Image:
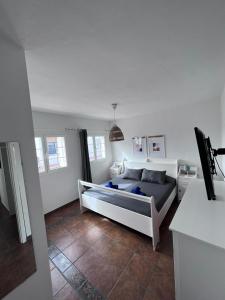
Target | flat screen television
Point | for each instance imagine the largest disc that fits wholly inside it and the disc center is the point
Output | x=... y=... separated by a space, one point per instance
x=207 y=162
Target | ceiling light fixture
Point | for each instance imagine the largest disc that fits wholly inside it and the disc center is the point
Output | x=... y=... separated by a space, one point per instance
x=115 y=134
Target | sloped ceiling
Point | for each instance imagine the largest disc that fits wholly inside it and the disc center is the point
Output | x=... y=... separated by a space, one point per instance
x=83 y=55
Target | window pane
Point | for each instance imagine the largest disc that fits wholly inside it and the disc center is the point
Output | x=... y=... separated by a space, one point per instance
x=91 y=151
x=40 y=154
x=56 y=152
x=100 y=147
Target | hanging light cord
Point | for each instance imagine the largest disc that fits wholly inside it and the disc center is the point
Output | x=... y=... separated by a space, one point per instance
x=219 y=167
x=114 y=105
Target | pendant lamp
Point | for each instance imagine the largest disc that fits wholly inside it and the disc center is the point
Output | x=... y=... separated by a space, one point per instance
x=115 y=133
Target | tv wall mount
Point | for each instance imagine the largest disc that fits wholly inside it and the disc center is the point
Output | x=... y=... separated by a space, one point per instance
x=215 y=152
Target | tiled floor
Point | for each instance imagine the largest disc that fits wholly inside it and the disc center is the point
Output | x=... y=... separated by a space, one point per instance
x=92 y=257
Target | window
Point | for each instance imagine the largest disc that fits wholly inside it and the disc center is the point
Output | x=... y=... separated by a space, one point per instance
x=100 y=147
x=56 y=152
x=96 y=147
x=91 y=150
x=55 y=149
x=40 y=154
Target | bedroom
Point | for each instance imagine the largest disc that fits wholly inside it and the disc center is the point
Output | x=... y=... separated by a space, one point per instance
x=63 y=65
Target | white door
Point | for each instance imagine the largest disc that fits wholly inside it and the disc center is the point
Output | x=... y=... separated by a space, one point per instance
x=16 y=170
x=3 y=193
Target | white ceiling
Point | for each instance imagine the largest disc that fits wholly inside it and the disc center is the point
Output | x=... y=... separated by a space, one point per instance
x=83 y=55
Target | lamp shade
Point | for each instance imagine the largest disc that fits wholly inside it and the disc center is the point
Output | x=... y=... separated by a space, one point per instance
x=116 y=134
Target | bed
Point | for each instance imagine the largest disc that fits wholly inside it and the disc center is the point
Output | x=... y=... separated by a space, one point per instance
x=142 y=213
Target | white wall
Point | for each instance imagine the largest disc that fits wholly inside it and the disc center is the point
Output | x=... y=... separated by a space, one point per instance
x=60 y=187
x=16 y=125
x=178 y=127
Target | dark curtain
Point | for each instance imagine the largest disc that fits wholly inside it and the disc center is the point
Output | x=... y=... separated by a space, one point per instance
x=86 y=167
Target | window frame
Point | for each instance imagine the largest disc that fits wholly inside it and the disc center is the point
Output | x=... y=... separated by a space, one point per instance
x=94 y=144
x=43 y=152
x=46 y=156
x=93 y=139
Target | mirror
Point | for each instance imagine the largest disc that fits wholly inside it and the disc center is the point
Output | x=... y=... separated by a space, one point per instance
x=17 y=261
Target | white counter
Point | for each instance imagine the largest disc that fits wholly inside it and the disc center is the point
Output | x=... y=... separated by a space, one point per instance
x=200 y=218
x=199 y=244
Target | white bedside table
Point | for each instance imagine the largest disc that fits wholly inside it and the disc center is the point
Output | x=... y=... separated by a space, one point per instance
x=182 y=182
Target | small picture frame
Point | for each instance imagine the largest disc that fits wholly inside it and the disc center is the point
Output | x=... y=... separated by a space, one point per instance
x=156 y=146
x=139 y=146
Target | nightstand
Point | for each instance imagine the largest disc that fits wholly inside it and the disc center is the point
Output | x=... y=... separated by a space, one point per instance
x=183 y=182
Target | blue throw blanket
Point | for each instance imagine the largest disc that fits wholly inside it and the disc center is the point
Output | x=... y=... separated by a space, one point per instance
x=137 y=190
x=111 y=185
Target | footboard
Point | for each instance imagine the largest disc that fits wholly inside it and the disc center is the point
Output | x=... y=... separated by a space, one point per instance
x=144 y=224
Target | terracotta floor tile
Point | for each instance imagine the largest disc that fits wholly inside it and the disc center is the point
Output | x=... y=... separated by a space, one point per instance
x=56 y=232
x=105 y=225
x=53 y=219
x=140 y=269
x=114 y=251
x=145 y=249
x=98 y=271
x=130 y=240
x=164 y=264
x=72 y=222
x=89 y=258
x=102 y=245
x=76 y=249
x=77 y=233
x=166 y=244
x=91 y=218
x=64 y=241
x=67 y=293
x=127 y=288
x=82 y=225
x=58 y=281
x=92 y=235
x=115 y=232
x=161 y=287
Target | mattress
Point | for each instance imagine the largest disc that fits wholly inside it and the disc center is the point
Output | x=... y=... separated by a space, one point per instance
x=160 y=192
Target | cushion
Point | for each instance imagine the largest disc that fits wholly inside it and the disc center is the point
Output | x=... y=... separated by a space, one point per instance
x=134 y=174
x=154 y=176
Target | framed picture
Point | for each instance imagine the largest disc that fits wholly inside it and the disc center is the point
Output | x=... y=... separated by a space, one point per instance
x=140 y=146
x=156 y=146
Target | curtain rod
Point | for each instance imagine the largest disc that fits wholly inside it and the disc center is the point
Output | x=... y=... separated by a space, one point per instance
x=68 y=129
x=94 y=130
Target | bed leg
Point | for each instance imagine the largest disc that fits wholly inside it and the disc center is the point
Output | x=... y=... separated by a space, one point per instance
x=83 y=209
x=80 y=189
x=155 y=225
x=155 y=240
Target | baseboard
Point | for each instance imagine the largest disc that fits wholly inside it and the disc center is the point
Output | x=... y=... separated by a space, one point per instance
x=58 y=208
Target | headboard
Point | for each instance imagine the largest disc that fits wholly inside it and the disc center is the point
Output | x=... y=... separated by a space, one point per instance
x=163 y=164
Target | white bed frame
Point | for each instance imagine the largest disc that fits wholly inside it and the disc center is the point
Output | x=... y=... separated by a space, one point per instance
x=147 y=225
